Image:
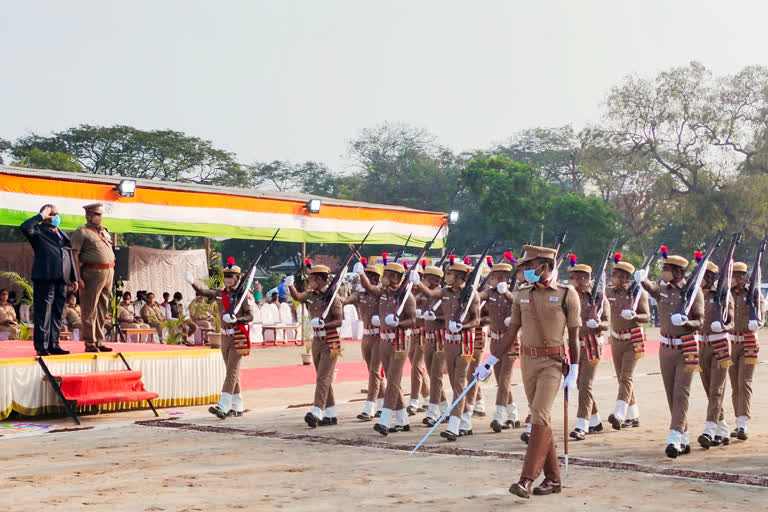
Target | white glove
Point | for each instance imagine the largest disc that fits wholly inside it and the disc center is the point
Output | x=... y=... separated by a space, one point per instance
x=717 y=327
x=375 y=320
x=414 y=277
x=592 y=323
x=188 y=277
x=317 y=323
x=229 y=319
x=454 y=327
x=628 y=314
x=641 y=275
x=289 y=281
x=502 y=287
x=678 y=319
x=753 y=325
x=358 y=268
x=419 y=314
x=507 y=321
x=430 y=315
x=391 y=320
x=484 y=370
x=570 y=381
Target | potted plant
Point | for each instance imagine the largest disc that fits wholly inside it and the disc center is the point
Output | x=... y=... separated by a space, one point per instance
x=25 y=330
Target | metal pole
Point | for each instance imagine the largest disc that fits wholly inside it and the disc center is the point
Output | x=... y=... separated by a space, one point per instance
x=303 y=257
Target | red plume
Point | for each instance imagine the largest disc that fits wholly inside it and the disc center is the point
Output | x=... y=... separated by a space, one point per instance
x=364 y=261
x=572 y=259
x=452 y=258
x=308 y=263
x=230 y=261
x=489 y=260
x=510 y=257
x=617 y=257
x=467 y=261
x=423 y=263
x=664 y=251
x=384 y=257
x=698 y=255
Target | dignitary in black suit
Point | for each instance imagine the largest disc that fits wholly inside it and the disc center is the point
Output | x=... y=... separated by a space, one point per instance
x=53 y=272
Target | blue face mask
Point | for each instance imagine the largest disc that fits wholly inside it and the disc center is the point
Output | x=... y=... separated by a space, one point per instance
x=56 y=221
x=531 y=276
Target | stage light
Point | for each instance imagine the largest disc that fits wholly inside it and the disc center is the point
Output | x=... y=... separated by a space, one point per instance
x=453 y=217
x=313 y=206
x=126 y=188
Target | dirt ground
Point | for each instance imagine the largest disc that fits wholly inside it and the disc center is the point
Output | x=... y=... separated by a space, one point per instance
x=270 y=460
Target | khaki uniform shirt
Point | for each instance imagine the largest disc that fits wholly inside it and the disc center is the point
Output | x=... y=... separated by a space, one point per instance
x=586 y=314
x=741 y=310
x=367 y=306
x=7 y=313
x=316 y=303
x=244 y=316
x=498 y=307
x=450 y=305
x=153 y=313
x=668 y=297
x=553 y=317
x=388 y=304
x=621 y=299
x=712 y=312
x=426 y=303
x=93 y=244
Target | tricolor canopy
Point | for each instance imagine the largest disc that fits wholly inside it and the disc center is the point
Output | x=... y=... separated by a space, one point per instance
x=173 y=208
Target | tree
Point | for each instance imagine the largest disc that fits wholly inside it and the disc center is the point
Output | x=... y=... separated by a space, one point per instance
x=126 y=151
x=5 y=146
x=309 y=177
x=38 y=159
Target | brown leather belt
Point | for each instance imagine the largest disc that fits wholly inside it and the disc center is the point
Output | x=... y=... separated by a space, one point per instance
x=542 y=351
x=99 y=265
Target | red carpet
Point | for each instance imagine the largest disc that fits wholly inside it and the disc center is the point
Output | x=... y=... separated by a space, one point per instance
x=26 y=349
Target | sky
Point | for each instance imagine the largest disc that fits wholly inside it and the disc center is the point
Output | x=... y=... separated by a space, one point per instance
x=298 y=80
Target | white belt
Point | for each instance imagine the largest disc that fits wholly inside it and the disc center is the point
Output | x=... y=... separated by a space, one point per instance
x=453 y=337
x=320 y=334
x=369 y=332
x=623 y=337
x=671 y=342
x=228 y=332
x=583 y=343
x=496 y=335
x=739 y=338
x=392 y=335
x=430 y=336
x=709 y=338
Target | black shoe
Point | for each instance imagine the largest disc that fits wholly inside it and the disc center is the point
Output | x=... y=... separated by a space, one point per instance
x=705 y=441
x=671 y=451
x=45 y=353
x=58 y=351
x=479 y=414
x=381 y=429
x=364 y=416
x=512 y=424
x=234 y=413
x=377 y=415
x=525 y=436
x=742 y=435
x=578 y=434
x=720 y=441
x=496 y=426
x=463 y=432
x=411 y=410
x=630 y=423
x=218 y=412
x=88 y=349
x=596 y=428
x=311 y=420
x=327 y=422
x=615 y=422
x=735 y=432
x=400 y=428
x=423 y=408
x=686 y=449
x=430 y=422
x=450 y=436
x=104 y=348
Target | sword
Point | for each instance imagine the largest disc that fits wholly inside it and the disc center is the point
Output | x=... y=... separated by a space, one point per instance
x=444 y=415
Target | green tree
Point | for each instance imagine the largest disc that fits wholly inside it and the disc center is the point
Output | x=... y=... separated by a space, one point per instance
x=38 y=159
x=5 y=146
x=308 y=177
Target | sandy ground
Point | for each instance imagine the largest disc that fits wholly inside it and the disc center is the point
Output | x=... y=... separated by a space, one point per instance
x=270 y=460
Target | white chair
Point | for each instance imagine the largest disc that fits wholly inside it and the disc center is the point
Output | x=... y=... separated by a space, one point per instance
x=351 y=326
x=270 y=316
x=24 y=314
x=286 y=318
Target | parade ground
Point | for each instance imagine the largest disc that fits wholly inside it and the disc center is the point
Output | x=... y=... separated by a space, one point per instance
x=269 y=459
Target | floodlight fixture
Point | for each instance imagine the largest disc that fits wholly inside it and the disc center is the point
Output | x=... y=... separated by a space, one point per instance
x=126 y=188
x=453 y=217
x=313 y=205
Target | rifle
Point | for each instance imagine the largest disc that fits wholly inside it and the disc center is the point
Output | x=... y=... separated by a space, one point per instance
x=406 y=286
x=598 y=287
x=755 y=311
x=470 y=288
x=402 y=249
x=559 y=240
x=333 y=288
x=692 y=284
x=723 y=292
x=443 y=257
x=636 y=291
x=244 y=285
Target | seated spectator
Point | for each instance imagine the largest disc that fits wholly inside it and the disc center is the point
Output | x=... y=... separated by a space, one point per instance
x=153 y=314
x=8 y=320
x=126 y=315
x=200 y=313
x=177 y=308
x=166 y=305
x=140 y=302
x=71 y=314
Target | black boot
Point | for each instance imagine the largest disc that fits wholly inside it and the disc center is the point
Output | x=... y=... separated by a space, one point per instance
x=525 y=436
x=381 y=429
x=705 y=441
x=671 y=451
x=311 y=420
x=615 y=422
x=578 y=434
x=217 y=412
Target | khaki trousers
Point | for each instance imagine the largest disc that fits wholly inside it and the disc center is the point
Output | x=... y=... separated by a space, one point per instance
x=94 y=303
x=587 y=370
x=741 y=375
x=370 y=349
x=232 y=364
x=541 y=379
x=503 y=373
x=324 y=364
x=624 y=363
x=713 y=379
x=435 y=362
x=677 y=384
x=419 y=374
x=541 y=454
x=393 y=363
x=458 y=367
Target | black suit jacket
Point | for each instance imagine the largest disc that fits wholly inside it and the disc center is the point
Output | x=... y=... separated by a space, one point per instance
x=53 y=254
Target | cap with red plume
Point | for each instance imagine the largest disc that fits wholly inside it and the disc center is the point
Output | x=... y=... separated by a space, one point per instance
x=489 y=260
x=230 y=262
x=664 y=251
x=467 y=261
x=405 y=265
x=384 y=257
x=617 y=257
x=452 y=258
x=572 y=259
x=510 y=257
x=699 y=256
x=307 y=263
x=423 y=264
x=364 y=261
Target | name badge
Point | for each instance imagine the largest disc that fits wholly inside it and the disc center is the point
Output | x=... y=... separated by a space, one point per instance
x=553 y=299
x=663 y=295
x=309 y=301
x=611 y=298
x=523 y=301
x=492 y=298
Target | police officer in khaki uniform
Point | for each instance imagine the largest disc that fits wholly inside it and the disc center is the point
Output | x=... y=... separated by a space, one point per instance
x=542 y=313
x=326 y=347
x=233 y=328
x=678 y=353
x=745 y=348
x=127 y=317
x=395 y=334
x=95 y=261
x=368 y=309
x=419 y=372
x=627 y=341
x=154 y=314
x=714 y=359
x=434 y=343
